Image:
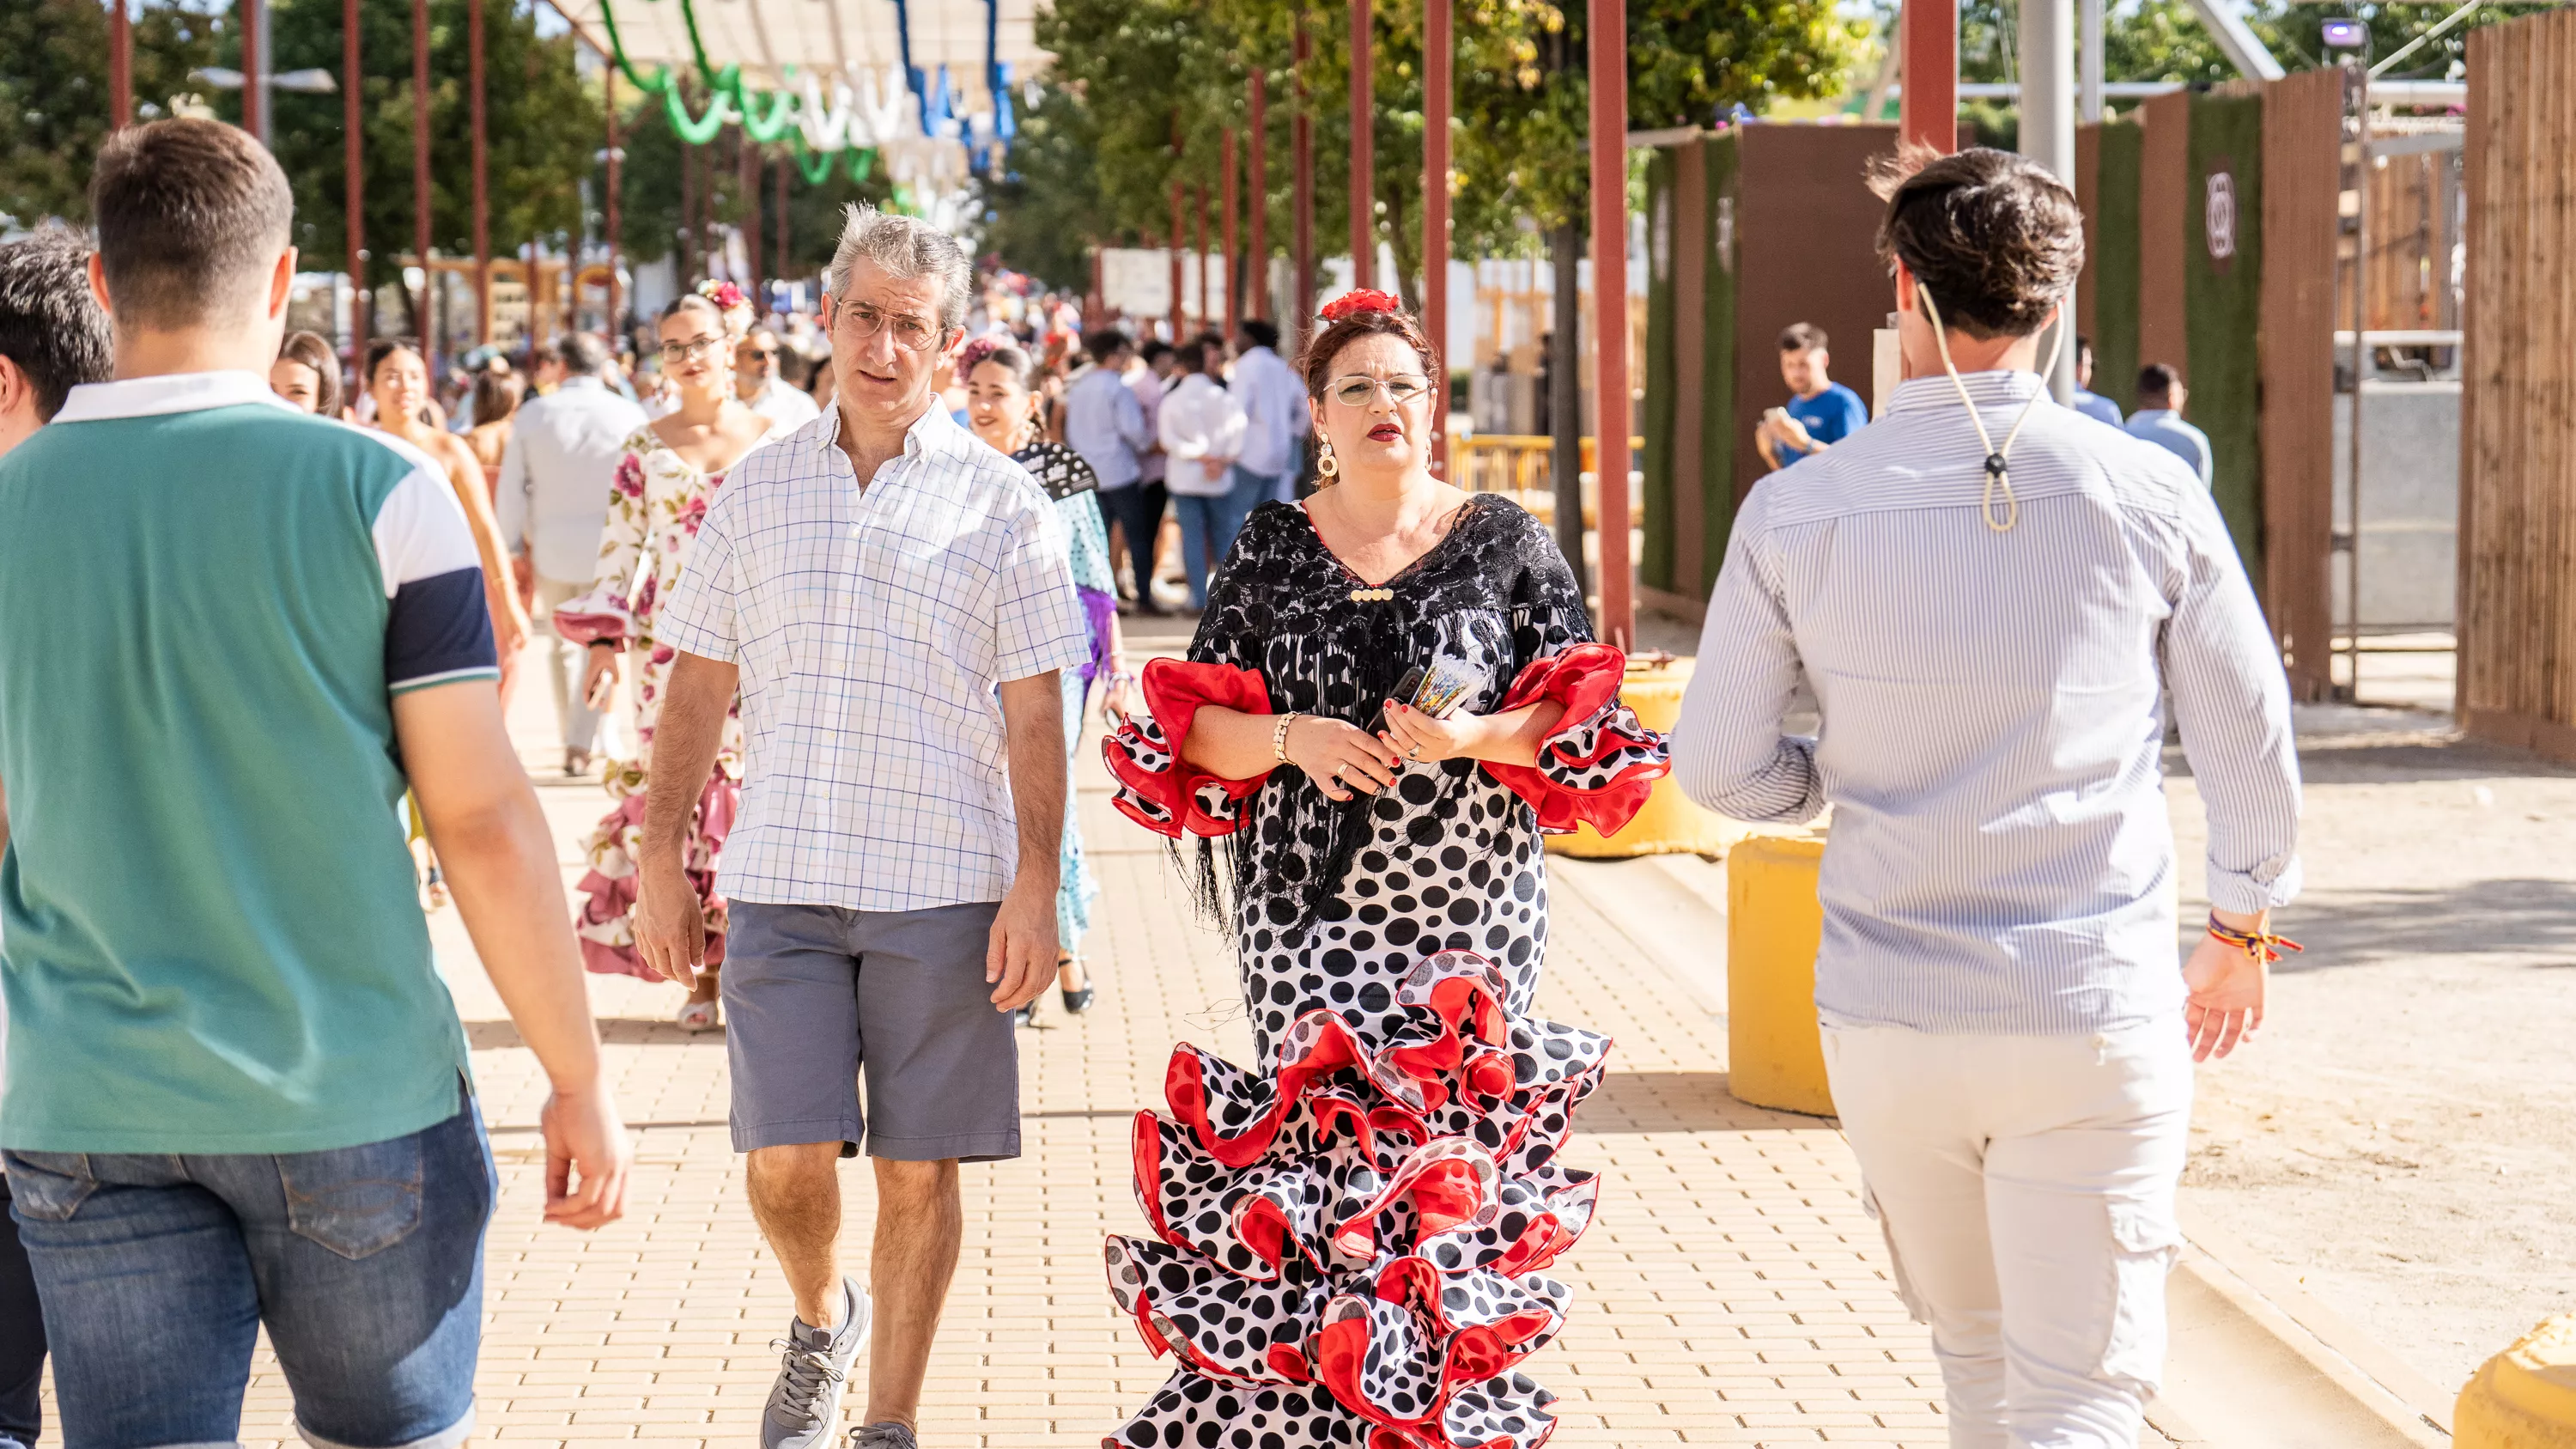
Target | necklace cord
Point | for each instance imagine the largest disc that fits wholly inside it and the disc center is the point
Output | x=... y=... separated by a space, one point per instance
x=1998 y=475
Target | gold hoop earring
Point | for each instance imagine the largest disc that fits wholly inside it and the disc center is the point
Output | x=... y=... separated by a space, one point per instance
x=1326 y=465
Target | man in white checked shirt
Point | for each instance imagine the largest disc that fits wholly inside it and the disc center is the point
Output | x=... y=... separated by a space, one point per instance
x=894 y=601
x=1986 y=593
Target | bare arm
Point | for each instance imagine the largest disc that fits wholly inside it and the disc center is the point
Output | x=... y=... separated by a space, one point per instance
x=670 y=931
x=465 y=477
x=1509 y=738
x=483 y=819
x=1020 y=958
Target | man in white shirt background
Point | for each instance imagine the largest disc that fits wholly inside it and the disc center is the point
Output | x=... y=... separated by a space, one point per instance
x=1105 y=420
x=757 y=383
x=1274 y=410
x=1202 y=427
x=553 y=502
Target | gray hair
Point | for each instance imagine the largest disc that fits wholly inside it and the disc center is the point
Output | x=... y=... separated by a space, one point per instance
x=907 y=248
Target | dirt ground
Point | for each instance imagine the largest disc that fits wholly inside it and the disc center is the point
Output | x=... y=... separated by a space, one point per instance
x=2403 y=1136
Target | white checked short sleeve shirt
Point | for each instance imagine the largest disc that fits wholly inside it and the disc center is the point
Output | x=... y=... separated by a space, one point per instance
x=871 y=628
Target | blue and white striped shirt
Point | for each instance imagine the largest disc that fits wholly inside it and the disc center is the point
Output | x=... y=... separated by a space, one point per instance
x=2001 y=858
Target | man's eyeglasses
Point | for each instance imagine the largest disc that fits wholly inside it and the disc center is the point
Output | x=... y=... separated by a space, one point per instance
x=674 y=353
x=912 y=334
x=1356 y=390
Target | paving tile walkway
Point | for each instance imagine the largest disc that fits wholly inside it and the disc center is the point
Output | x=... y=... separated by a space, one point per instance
x=1731 y=1290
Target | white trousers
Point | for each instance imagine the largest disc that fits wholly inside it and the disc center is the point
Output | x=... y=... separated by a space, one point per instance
x=585 y=729
x=2026 y=1187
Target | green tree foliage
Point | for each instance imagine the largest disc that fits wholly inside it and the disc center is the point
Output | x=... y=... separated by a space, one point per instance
x=1151 y=83
x=53 y=92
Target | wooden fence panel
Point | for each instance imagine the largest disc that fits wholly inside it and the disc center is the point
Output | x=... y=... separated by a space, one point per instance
x=2302 y=137
x=2517 y=661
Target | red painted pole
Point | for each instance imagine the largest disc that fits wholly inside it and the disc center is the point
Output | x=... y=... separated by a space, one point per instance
x=1436 y=64
x=779 y=216
x=1233 y=251
x=482 y=182
x=1257 y=301
x=1928 y=106
x=1198 y=206
x=1301 y=147
x=610 y=221
x=1178 y=236
x=1608 y=44
x=747 y=157
x=120 y=67
x=353 y=128
x=420 y=197
x=255 y=68
x=1363 y=137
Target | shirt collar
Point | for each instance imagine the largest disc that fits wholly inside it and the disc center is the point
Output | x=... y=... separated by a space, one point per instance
x=583 y=380
x=1986 y=389
x=172 y=392
x=930 y=432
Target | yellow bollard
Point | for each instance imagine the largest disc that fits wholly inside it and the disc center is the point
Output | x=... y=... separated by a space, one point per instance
x=1671 y=823
x=1775 y=1056
x=2524 y=1397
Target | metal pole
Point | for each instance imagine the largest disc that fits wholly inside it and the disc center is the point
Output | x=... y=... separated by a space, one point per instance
x=354 y=187
x=255 y=68
x=1301 y=147
x=2048 y=127
x=2357 y=128
x=1363 y=135
x=1608 y=45
x=1233 y=239
x=748 y=159
x=616 y=158
x=1928 y=108
x=1257 y=301
x=120 y=67
x=1179 y=235
x=2090 y=70
x=420 y=198
x=1436 y=63
x=778 y=194
x=482 y=182
x=1198 y=210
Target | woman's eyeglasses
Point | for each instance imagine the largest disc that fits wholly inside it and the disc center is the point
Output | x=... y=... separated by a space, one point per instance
x=1356 y=390
x=912 y=334
x=674 y=353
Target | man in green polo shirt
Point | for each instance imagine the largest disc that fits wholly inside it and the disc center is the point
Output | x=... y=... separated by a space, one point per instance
x=231 y=636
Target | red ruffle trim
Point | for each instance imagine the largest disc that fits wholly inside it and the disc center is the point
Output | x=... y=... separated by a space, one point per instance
x=1158 y=788
x=607 y=898
x=1584 y=678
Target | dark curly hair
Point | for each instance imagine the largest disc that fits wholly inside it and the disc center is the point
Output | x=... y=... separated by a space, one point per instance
x=1316 y=364
x=1994 y=237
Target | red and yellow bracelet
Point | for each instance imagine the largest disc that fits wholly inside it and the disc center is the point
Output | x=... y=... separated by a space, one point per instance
x=2265 y=946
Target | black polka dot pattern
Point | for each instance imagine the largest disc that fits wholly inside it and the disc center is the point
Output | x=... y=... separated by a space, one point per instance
x=1349 y=1243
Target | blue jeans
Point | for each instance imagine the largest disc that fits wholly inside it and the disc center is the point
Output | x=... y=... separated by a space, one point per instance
x=1208 y=525
x=365 y=1263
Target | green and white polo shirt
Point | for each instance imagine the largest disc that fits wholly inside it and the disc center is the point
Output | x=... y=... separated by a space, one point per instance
x=209 y=934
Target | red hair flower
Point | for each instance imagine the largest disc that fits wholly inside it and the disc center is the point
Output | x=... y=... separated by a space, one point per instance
x=1361 y=300
x=725 y=295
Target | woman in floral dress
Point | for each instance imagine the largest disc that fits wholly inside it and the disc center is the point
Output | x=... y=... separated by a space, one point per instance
x=671 y=469
x=1350 y=1237
x=1003 y=411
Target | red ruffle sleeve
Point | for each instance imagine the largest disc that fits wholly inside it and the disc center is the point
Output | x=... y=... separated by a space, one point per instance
x=1156 y=788
x=1599 y=764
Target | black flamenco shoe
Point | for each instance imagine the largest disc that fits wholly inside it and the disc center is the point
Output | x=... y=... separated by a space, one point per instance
x=1078 y=1002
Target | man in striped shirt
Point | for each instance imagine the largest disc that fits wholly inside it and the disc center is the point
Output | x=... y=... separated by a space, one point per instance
x=1988 y=594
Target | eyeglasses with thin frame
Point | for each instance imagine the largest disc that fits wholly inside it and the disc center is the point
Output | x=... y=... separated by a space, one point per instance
x=1356 y=389
x=912 y=334
x=674 y=353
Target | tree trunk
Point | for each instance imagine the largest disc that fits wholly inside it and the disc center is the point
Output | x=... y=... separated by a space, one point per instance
x=1565 y=398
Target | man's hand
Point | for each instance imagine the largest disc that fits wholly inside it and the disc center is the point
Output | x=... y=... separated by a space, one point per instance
x=2226 y=986
x=670 y=929
x=1019 y=956
x=587 y=1157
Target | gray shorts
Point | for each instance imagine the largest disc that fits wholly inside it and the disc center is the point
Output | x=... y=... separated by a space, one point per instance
x=815 y=994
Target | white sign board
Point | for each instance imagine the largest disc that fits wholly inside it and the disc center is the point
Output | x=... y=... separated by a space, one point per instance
x=1138 y=282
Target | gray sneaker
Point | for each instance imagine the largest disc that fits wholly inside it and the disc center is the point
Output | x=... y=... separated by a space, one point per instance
x=813 y=1370
x=884 y=1434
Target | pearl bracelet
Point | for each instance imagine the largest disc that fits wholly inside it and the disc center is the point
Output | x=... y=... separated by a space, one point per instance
x=1279 y=737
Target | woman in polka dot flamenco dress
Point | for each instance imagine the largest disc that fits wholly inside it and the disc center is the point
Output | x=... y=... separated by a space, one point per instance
x=1350 y=1241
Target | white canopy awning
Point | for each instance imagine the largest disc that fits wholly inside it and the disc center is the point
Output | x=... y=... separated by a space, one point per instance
x=780 y=42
